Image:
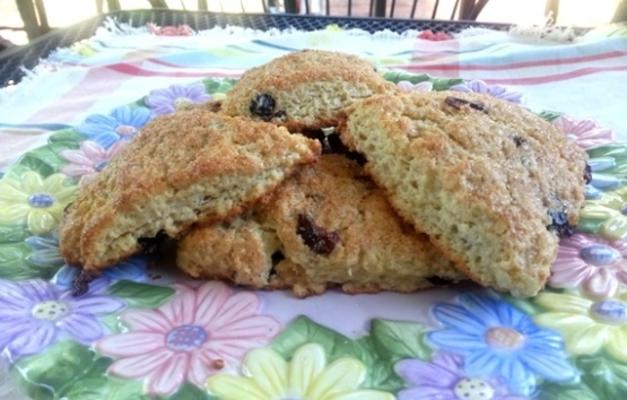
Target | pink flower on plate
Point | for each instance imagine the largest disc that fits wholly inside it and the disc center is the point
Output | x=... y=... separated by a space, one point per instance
x=195 y=335
x=89 y=159
x=584 y=133
x=597 y=266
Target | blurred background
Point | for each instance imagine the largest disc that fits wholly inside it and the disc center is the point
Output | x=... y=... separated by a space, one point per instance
x=23 y=20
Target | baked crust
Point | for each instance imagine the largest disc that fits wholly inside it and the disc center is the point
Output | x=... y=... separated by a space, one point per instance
x=309 y=89
x=371 y=248
x=487 y=180
x=189 y=166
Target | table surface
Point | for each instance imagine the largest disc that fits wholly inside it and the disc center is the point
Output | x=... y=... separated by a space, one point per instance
x=28 y=56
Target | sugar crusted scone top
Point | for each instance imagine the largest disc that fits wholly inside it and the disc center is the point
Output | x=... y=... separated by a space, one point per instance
x=187 y=166
x=305 y=89
x=500 y=154
x=179 y=150
x=299 y=67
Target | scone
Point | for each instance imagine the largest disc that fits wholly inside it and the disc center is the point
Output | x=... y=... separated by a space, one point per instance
x=304 y=90
x=328 y=224
x=189 y=166
x=492 y=184
x=241 y=251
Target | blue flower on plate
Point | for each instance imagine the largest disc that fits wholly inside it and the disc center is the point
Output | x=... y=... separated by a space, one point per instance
x=35 y=314
x=122 y=124
x=132 y=269
x=499 y=340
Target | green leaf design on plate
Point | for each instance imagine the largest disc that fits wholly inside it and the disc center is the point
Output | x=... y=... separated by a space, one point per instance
x=50 y=374
x=554 y=391
x=191 y=392
x=13 y=233
x=375 y=357
x=549 y=115
x=524 y=305
x=589 y=225
x=112 y=323
x=395 y=340
x=303 y=330
x=381 y=374
x=614 y=150
x=28 y=163
x=141 y=294
x=45 y=160
x=66 y=136
x=90 y=388
x=397 y=76
x=14 y=266
x=438 y=83
x=605 y=376
x=218 y=85
x=604 y=215
x=615 y=154
x=445 y=84
x=106 y=388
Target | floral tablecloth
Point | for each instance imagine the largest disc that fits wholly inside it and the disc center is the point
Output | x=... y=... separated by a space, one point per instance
x=143 y=332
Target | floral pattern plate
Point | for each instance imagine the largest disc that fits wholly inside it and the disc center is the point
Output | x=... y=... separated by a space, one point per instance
x=142 y=332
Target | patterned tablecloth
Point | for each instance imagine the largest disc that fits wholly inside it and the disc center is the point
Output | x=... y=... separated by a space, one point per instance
x=141 y=332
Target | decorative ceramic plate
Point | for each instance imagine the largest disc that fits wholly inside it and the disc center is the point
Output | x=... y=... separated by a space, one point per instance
x=143 y=332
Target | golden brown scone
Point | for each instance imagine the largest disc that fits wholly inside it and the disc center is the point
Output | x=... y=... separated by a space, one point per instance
x=305 y=89
x=332 y=226
x=239 y=251
x=189 y=166
x=489 y=182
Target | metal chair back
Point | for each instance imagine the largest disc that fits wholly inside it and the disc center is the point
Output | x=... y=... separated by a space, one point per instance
x=33 y=12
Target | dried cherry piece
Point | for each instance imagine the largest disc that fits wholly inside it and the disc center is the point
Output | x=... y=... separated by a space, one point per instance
x=587 y=173
x=263 y=106
x=319 y=240
x=519 y=141
x=80 y=286
x=458 y=103
x=560 y=224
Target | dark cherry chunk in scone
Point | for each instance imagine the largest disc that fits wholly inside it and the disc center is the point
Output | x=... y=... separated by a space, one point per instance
x=315 y=237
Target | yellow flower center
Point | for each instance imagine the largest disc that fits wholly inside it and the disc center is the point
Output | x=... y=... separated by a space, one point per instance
x=473 y=389
x=504 y=338
x=612 y=312
x=50 y=310
x=182 y=103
